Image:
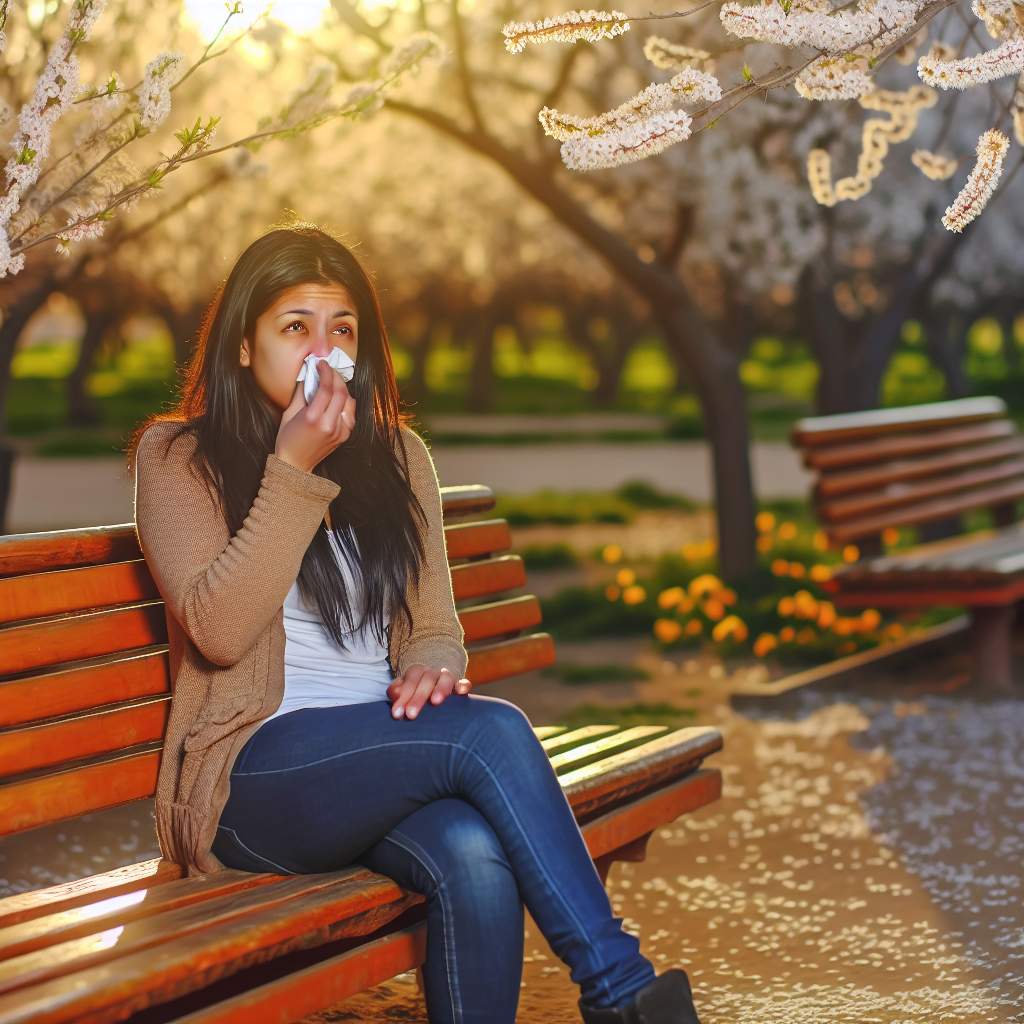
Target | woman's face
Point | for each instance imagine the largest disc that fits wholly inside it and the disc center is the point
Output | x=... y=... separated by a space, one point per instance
x=304 y=319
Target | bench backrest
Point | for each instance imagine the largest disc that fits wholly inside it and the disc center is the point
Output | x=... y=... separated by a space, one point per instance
x=84 y=676
x=911 y=465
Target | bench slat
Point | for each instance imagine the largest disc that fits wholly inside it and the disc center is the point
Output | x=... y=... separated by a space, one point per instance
x=900 y=446
x=832 y=485
x=814 y=430
x=108 y=680
x=488 y=577
x=598 y=786
x=898 y=495
x=25 y=748
x=89 y=635
x=925 y=512
x=598 y=750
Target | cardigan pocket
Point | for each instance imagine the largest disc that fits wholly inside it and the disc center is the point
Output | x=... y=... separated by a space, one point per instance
x=223 y=713
x=218 y=718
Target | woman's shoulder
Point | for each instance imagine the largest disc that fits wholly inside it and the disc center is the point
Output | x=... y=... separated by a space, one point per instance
x=166 y=443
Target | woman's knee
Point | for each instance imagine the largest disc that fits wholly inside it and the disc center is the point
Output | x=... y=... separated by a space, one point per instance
x=500 y=722
x=457 y=849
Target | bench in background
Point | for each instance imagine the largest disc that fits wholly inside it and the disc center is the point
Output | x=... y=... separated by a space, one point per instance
x=84 y=700
x=919 y=466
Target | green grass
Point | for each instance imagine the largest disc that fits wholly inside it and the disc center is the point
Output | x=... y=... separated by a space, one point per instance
x=575 y=673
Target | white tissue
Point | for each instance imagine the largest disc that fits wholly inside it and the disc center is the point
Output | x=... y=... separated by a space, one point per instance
x=337 y=358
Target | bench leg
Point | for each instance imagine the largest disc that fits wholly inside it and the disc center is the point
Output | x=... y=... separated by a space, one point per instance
x=636 y=850
x=991 y=636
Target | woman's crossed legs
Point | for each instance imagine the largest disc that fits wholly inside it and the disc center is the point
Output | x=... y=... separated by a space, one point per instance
x=461 y=804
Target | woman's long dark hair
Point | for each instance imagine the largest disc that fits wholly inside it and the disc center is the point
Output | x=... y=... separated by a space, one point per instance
x=236 y=426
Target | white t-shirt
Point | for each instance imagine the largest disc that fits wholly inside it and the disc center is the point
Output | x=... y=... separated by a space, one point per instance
x=317 y=672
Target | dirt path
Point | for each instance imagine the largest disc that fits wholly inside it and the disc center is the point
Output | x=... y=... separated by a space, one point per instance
x=862 y=866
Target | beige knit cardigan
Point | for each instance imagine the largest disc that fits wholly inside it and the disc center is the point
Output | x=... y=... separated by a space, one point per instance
x=224 y=598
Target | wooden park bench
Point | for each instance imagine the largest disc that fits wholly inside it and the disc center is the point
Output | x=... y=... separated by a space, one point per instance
x=84 y=700
x=920 y=466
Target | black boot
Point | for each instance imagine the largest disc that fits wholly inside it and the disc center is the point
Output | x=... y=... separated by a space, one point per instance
x=666 y=1000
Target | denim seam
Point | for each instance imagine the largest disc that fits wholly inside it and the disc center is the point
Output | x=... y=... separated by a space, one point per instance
x=258 y=856
x=466 y=750
x=450 y=960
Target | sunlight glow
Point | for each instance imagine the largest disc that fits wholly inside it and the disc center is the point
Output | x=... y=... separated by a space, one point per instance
x=298 y=15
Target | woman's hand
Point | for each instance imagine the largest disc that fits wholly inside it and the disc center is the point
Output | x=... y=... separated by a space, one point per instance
x=309 y=433
x=409 y=692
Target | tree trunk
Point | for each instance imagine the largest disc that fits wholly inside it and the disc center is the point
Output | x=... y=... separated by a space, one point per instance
x=723 y=400
x=82 y=410
x=16 y=317
x=481 y=371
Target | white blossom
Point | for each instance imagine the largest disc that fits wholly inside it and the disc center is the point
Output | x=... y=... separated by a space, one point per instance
x=936 y=166
x=570 y=27
x=671 y=56
x=1005 y=59
x=629 y=143
x=981 y=182
x=834 y=33
x=155 y=90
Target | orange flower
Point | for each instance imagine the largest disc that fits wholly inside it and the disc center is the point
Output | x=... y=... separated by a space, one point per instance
x=611 y=592
x=786 y=606
x=764 y=644
x=765 y=544
x=611 y=553
x=787 y=531
x=780 y=567
x=670 y=597
x=713 y=608
x=624 y=577
x=764 y=521
x=633 y=595
x=786 y=634
x=826 y=614
x=667 y=630
x=707 y=583
x=870 y=618
x=797 y=571
x=693 y=627
x=820 y=573
x=851 y=553
x=731 y=625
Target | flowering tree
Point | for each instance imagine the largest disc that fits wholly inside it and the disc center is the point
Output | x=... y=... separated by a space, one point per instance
x=839 y=55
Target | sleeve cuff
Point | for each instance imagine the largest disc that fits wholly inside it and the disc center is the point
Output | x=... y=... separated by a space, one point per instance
x=298 y=480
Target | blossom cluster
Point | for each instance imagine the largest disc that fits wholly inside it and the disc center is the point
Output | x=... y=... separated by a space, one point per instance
x=632 y=129
x=936 y=166
x=671 y=56
x=834 y=78
x=877 y=135
x=155 y=90
x=570 y=27
x=785 y=25
x=979 y=68
x=627 y=144
x=981 y=182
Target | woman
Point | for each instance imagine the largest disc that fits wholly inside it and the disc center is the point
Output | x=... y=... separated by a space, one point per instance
x=321 y=715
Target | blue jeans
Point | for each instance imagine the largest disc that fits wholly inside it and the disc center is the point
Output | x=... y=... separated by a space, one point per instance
x=460 y=804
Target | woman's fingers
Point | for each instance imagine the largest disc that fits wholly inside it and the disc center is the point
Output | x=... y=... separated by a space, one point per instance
x=419 y=684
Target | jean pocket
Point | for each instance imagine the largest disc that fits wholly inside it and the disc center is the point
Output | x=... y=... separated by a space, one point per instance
x=230 y=850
